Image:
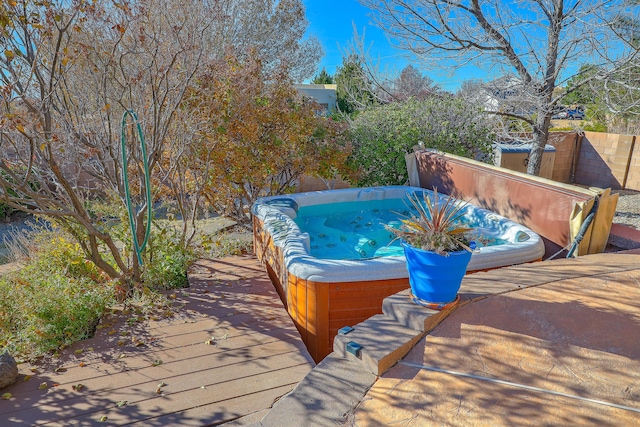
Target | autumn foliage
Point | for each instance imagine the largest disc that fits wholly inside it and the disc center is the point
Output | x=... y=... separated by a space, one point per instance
x=258 y=134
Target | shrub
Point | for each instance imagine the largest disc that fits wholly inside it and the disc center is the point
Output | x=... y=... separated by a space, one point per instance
x=5 y=210
x=382 y=135
x=596 y=127
x=167 y=260
x=259 y=136
x=56 y=299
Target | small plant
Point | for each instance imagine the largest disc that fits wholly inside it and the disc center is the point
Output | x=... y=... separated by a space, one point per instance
x=5 y=210
x=437 y=227
x=166 y=260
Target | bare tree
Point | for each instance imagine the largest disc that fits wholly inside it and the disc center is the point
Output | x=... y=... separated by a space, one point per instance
x=68 y=73
x=413 y=84
x=537 y=42
x=274 y=30
x=70 y=69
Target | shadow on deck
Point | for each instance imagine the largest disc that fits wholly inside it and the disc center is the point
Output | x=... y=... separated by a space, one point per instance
x=230 y=350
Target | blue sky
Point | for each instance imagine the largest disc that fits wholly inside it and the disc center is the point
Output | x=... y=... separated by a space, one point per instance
x=331 y=21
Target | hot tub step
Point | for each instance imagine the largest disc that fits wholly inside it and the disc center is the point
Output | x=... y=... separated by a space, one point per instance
x=404 y=311
x=378 y=342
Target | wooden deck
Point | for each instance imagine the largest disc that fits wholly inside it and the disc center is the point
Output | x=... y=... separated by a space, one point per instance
x=229 y=351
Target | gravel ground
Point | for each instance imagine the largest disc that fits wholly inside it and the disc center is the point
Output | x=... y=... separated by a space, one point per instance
x=628 y=209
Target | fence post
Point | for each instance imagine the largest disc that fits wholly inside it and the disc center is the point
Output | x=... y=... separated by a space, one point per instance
x=629 y=160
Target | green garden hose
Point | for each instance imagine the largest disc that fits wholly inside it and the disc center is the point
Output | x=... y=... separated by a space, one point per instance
x=139 y=248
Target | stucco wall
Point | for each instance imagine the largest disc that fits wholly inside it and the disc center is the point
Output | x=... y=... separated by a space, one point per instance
x=604 y=160
x=566 y=144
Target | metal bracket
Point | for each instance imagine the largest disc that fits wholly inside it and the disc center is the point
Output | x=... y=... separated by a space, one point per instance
x=345 y=330
x=353 y=348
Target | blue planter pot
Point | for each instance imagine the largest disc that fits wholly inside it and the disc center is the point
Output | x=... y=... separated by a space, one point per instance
x=435 y=279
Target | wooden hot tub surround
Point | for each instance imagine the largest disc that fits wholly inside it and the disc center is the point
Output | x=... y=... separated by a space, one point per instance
x=319 y=309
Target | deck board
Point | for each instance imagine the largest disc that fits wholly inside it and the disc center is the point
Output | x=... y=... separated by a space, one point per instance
x=253 y=357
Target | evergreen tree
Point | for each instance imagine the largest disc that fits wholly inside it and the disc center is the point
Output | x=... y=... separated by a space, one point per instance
x=355 y=91
x=323 y=78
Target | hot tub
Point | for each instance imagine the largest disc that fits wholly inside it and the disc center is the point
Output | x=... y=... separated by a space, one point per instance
x=324 y=294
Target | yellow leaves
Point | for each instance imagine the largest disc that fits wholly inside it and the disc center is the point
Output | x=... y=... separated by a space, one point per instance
x=9 y=55
x=120 y=28
x=7 y=396
x=43 y=386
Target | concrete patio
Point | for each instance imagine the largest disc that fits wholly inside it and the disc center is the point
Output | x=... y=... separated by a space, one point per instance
x=550 y=343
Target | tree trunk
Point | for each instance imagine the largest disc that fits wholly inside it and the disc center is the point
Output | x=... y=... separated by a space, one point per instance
x=540 y=138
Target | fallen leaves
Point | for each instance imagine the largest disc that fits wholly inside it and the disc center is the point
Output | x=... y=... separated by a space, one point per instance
x=43 y=386
x=159 y=388
x=157 y=362
x=78 y=387
x=7 y=396
x=121 y=403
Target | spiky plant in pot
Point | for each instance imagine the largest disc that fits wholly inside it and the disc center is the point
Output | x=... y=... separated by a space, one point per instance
x=437 y=226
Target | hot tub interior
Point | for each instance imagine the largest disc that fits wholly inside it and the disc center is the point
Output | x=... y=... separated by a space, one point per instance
x=329 y=256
